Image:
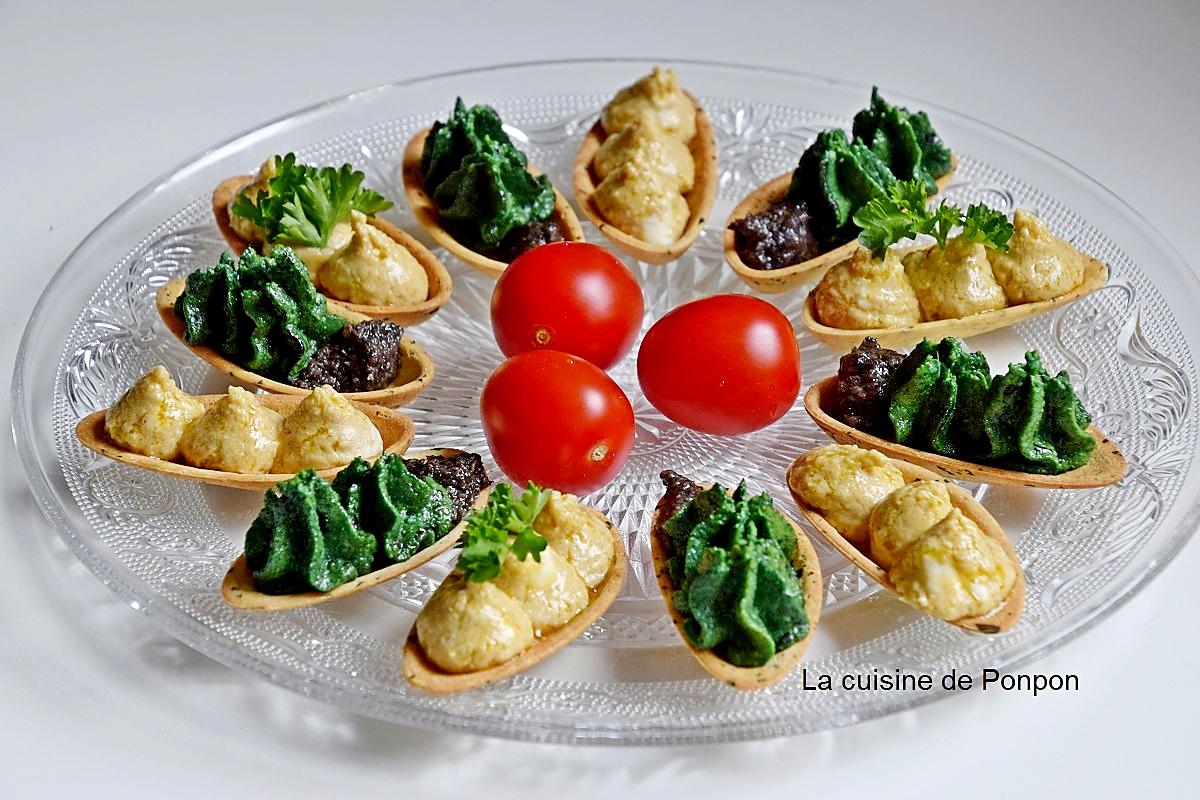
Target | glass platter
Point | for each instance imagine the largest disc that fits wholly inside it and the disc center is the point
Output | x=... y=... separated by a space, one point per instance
x=163 y=545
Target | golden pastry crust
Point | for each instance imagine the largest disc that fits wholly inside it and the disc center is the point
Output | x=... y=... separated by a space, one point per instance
x=235 y=434
x=904 y=516
x=953 y=281
x=150 y=418
x=577 y=536
x=373 y=269
x=861 y=292
x=325 y=430
x=955 y=570
x=550 y=590
x=468 y=626
x=645 y=142
x=844 y=482
x=1038 y=264
x=643 y=203
x=657 y=95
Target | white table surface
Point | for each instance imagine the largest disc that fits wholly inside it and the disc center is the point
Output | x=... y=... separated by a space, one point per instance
x=94 y=700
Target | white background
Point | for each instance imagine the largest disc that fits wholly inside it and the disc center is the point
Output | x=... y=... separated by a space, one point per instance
x=95 y=103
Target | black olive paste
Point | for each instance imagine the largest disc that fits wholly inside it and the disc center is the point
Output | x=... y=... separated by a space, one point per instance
x=777 y=237
x=527 y=237
x=861 y=399
x=362 y=357
x=462 y=474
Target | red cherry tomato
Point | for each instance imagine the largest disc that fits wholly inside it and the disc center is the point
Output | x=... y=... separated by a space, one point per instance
x=557 y=420
x=726 y=364
x=574 y=297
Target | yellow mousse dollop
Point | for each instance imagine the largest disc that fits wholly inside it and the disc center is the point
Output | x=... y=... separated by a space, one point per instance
x=235 y=434
x=657 y=95
x=844 y=483
x=1038 y=264
x=468 y=625
x=955 y=570
x=325 y=430
x=150 y=418
x=904 y=516
x=373 y=269
x=862 y=292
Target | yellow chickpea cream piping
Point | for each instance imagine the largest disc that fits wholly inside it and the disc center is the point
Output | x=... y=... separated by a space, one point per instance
x=962 y=279
x=936 y=557
x=644 y=163
x=469 y=626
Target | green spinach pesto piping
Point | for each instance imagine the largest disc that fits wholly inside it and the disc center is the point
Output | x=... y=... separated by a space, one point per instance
x=944 y=399
x=735 y=584
x=312 y=535
x=838 y=175
x=479 y=179
x=261 y=312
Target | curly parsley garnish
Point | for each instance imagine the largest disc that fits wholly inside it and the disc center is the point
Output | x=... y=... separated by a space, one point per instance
x=902 y=214
x=504 y=525
x=303 y=204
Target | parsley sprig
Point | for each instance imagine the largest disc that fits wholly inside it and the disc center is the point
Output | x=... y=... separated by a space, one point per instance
x=902 y=214
x=302 y=204
x=504 y=525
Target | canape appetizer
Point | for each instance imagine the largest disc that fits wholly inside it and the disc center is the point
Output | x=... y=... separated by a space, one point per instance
x=328 y=218
x=534 y=572
x=941 y=407
x=239 y=439
x=646 y=173
x=928 y=541
x=261 y=320
x=741 y=581
x=477 y=195
x=318 y=540
x=792 y=227
x=991 y=274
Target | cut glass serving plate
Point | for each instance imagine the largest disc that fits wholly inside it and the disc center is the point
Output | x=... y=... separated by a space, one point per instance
x=163 y=545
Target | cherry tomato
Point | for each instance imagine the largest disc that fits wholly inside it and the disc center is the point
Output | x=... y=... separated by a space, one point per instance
x=557 y=420
x=727 y=364
x=574 y=297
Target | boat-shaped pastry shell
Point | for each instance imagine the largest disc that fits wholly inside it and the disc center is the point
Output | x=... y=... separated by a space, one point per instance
x=771 y=281
x=781 y=663
x=421 y=672
x=440 y=284
x=1105 y=467
x=1001 y=618
x=238 y=586
x=699 y=199
x=416 y=368
x=394 y=428
x=426 y=211
x=1095 y=275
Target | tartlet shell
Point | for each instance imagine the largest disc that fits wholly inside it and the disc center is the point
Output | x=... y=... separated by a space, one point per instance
x=416 y=370
x=998 y=619
x=771 y=281
x=1095 y=276
x=426 y=211
x=238 y=590
x=700 y=198
x=440 y=283
x=782 y=663
x=1106 y=466
x=394 y=428
x=422 y=673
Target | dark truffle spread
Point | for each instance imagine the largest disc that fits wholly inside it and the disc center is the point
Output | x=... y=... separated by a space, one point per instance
x=527 y=237
x=861 y=399
x=777 y=237
x=462 y=474
x=362 y=357
x=679 y=492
